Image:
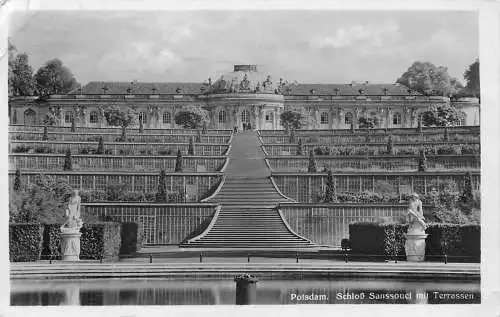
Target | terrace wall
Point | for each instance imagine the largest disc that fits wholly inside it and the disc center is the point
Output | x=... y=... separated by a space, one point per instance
x=39 y=128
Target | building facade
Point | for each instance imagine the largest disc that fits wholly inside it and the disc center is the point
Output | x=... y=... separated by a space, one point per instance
x=243 y=96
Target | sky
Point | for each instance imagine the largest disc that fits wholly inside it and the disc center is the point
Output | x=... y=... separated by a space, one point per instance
x=190 y=46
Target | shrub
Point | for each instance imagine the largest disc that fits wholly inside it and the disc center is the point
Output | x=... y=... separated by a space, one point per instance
x=100 y=146
x=17 y=181
x=442 y=239
x=25 y=242
x=21 y=149
x=68 y=166
x=178 y=162
x=116 y=192
x=422 y=162
x=322 y=150
x=300 y=148
x=165 y=152
x=100 y=240
x=331 y=190
x=162 y=189
x=131 y=237
x=191 y=146
x=312 y=163
x=51 y=247
x=45 y=135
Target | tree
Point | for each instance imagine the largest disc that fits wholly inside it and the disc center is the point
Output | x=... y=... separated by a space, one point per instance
x=55 y=78
x=17 y=181
x=198 y=135
x=312 y=163
x=100 y=146
x=331 y=189
x=192 y=117
x=300 y=148
x=191 y=146
x=472 y=78
x=68 y=165
x=353 y=128
x=442 y=116
x=161 y=194
x=141 y=126
x=45 y=135
x=21 y=76
x=390 y=146
x=419 y=127
x=467 y=197
x=204 y=127
x=178 y=162
x=367 y=123
x=292 y=136
x=117 y=117
x=294 y=120
x=446 y=135
x=73 y=124
x=422 y=162
x=429 y=79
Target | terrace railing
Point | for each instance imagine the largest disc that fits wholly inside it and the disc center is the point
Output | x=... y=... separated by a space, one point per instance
x=161 y=223
x=382 y=163
x=373 y=138
x=39 y=128
x=113 y=137
x=116 y=148
x=196 y=185
x=466 y=129
x=306 y=187
x=291 y=149
x=55 y=162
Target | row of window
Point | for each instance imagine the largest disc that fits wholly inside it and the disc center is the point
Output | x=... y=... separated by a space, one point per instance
x=94 y=117
x=324 y=119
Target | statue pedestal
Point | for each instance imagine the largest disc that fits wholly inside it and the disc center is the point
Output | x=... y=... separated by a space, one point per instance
x=70 y=244
x=415 y=246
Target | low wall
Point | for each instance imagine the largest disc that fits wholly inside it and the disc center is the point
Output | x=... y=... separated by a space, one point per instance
x=162 y=223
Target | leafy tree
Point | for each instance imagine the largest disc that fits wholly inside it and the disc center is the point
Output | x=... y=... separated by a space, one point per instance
x=312 y=163
x=161 y=194
x=446 y=135
x=178 y=162
x=419 y=127
x=331 y=189
x=198 y=135
x=73 y=124
x=191 y=146
x=100 y=146
x=68 y=165
x=192 y=117
x=353 y=128
x=472 y=78
x=117 y=117
x=292 y=136
x=20 y=76
x=442 y=116
x=141 y=127
x=467 y=197
x=55 y=78
x=422 y=162
x=429 y=79
x=17 y=181
x=390 y=146
x=294 y=120
x=300 y=148
x=367 y=123
x=45 y=135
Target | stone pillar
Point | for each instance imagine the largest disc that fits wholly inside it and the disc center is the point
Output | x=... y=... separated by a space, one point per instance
x=70 y=244
x=246 y=289
x=261 y=118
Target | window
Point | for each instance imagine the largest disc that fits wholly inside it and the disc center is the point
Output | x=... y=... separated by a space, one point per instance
x=222 y=116
x=269 y=117
x=68 y=116
x=167 y=117
x=348 y=118
x=29 y=117
x=396 y=119
x=324 y=118
x=94 y=117
x=142 y=117
x=245 y=116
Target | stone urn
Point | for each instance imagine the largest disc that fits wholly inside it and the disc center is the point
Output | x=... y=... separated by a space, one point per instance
x=70 y=244
x=415 y=245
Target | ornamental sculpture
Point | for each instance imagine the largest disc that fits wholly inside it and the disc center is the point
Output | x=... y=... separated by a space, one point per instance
x=70 y=230
x=245 y=83
x=415 y=237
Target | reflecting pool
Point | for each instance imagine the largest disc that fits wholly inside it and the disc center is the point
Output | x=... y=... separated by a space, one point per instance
x=223 y=292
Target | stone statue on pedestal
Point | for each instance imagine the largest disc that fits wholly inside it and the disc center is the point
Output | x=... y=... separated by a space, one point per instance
x=70 y=230
x=415 y=238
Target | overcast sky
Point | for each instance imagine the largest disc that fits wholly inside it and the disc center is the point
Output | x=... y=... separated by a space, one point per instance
x=307 y=46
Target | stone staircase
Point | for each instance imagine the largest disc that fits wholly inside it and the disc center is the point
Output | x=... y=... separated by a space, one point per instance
x=248 y=217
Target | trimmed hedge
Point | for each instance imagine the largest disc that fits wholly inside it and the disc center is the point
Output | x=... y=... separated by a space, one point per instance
x=51 y=242
x=100 y=241
x=375 y=241
x=25 y=242
x=131 y=237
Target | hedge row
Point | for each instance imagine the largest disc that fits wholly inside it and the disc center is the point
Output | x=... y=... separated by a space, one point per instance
x=101 y=240
x=375 y=241
x=43 y=149
x=129 y=196
x=346 y=150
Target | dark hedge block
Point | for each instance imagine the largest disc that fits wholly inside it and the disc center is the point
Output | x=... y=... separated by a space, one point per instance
x=394 y=241
x=442 y=239
x=100 y=240
x=25 y=242
x=51 y=242
x=471 y=242
x=131 y=238
x=367 y=238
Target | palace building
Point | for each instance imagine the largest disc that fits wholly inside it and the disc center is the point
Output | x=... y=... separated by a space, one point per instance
x=244 y=95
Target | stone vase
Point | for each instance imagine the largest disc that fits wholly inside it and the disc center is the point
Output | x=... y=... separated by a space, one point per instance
x=70 y=244
x=415 y=246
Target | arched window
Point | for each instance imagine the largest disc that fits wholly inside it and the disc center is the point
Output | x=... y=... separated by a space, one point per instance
x=94 y=117
x=167 y=117
x=324 y=118
x=245 y=116
x=29 y=117
x=348 y=118
x=142 y=117
x=68 y=116
x=222 y=116
x=396 y=119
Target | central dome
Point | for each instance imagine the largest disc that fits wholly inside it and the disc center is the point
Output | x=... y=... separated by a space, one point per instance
x=245 y=79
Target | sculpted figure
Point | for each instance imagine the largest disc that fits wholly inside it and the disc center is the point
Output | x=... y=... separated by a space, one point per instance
x=415 y=215
x=73 y=216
